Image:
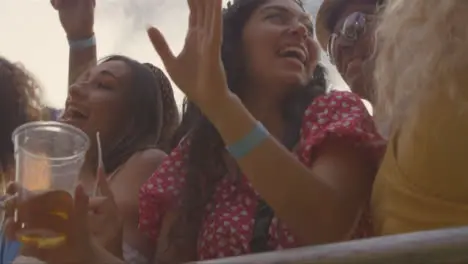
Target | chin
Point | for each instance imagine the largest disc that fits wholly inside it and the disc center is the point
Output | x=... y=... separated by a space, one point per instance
x=77 y=124
x=293 y=79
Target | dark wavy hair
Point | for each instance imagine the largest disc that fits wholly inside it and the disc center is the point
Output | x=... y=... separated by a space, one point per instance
x=19 y=104
x=205 y=159
x=154 y=113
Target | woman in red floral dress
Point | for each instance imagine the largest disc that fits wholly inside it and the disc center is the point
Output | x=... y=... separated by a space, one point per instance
x=309 y=185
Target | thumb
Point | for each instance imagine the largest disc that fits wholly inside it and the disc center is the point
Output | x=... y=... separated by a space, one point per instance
x=161 y=47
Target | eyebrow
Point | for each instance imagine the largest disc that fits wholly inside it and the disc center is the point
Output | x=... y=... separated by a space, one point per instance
x=304 y=16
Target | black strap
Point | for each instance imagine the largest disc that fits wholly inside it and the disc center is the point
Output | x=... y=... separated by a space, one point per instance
x=262 y=221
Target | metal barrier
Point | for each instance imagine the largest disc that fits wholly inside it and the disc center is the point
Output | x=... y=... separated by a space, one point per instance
x=447 y=246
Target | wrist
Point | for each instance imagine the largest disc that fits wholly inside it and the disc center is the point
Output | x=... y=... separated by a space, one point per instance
x=80 y=35
x=115 y=245
x=215 y=108
x=233 y=121
x=100 y=255
x=95 y=253
x=93 y=256
x=82 y=43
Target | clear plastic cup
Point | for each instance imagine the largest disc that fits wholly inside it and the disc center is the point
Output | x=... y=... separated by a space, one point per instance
x=49 y=157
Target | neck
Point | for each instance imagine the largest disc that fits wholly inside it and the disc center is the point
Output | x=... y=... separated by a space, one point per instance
x=88 y=171
x=267 y=110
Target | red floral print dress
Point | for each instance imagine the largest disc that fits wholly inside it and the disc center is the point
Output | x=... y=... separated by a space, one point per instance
x=229 y=217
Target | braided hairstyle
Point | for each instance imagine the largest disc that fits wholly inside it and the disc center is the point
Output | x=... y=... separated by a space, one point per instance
x=205 y=159
x=19 y=103
x=171 y=118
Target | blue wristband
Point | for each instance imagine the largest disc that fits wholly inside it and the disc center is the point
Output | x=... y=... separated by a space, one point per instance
x=82 y=43
x=249 y=142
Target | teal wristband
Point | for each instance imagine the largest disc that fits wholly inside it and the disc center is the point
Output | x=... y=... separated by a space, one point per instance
x=245 y=145
x=82 y=43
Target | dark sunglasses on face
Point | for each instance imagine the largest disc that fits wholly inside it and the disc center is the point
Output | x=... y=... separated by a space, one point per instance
x=352 y=29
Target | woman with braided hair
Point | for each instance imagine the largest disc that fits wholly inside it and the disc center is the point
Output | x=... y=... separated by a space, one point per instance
x=132 y=106
x=121 y=99
x=125 y=102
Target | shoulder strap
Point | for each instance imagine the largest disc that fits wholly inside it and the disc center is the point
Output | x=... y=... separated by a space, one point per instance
x=262 y=221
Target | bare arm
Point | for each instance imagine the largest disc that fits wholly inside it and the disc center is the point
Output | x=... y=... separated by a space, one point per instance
x=80 y=59
x=77 y=20
x=320 y=204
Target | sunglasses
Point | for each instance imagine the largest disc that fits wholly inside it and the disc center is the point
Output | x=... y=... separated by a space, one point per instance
x=352 y=29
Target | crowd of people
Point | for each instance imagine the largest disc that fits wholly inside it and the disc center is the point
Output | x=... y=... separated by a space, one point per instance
x=264 y=157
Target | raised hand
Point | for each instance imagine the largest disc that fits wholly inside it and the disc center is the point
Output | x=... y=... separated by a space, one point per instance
x=76 y=17
x=198 y=70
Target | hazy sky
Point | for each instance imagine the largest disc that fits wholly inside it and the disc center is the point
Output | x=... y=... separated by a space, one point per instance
x=32 y=35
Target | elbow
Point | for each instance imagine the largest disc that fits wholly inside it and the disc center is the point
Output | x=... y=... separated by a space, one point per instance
x=333 y=222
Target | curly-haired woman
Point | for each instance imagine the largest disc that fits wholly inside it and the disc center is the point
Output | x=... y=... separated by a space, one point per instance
x=19 y=104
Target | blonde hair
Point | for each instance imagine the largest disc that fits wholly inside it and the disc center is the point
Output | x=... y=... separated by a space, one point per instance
x=422 y=46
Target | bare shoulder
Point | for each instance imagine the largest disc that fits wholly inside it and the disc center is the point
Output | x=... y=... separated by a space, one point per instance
x=143 y=164
x=148 y=157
